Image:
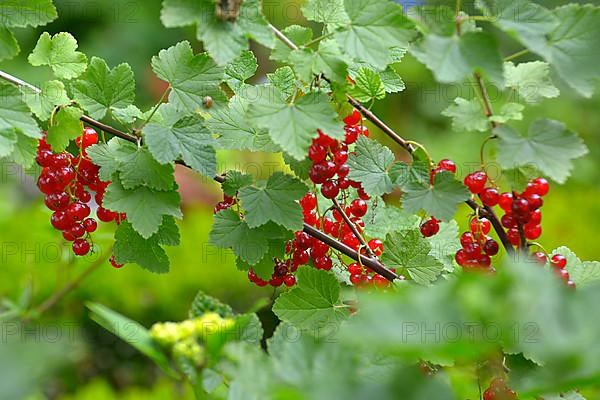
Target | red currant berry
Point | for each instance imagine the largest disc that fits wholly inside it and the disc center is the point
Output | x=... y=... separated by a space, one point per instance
x=358 y=207
x=330 y=189
x=90 y=225
x=300 y=258
x=77 y=230
x=447 y=165
x=289 y=280
x=352 y=133
x=481 y=226
x=309 y=201
x=491 y=247
x=430 y=227
x=105 y=215
x=558 y=261
x=78 y=211
x=350 y=240
x=57 y=201
x=532 y=232
x=505 y=201
x=540 y=257
x=323 y=263
x=380 y=281
x=319 y=249
x=44 y=157
x=340 y=157
x=376 y=246
x=466 y=238
x=325 y=140
x=60 y=221
x=355 y=269
x=520 y=207
x=508 y=221
x=490 y=197
x=114 y=263
x=317 y=153
x=353 y=119
x=513 y=236
x=540 y=187
x=476 y=181
x=356 y=279
x=81 y=247
x=535 y=217
x=461 y=257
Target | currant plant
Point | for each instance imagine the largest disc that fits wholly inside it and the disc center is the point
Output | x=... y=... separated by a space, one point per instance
x=321 y=227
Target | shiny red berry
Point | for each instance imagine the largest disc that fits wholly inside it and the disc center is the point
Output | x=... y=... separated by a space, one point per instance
x=81 y=247
x=353 y=119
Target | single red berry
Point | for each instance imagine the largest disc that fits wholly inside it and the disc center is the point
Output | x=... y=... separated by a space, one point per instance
x=355 y=269
x=300 y=258
x=520 y=207
x=90 y=225
x=340 y=157
x=78 y=211
x=81 y=247
x=303 y=240
x=356 y=279
x=380 y=281
x=319 y=249
x=330 y=189
x=44 y=157
x=323 y=263
x=472 y=250
x=562 y=274
x=535 y=217
x=513 y=236
x=353 y=119
x=508 y=221
x=89 y=138
x=311 y=218
x=309 y=201
x=77 y=230
x=558 y=261
x=481 y=226
x=60 y=220
x=57 y=201
x=276 y=281
x=358 y=207
x=105 y=215
x=343 y=170
x=490 y=197
x=289 y=280
x=540 y=186
x=317 y=153
x=430 y=227
x=476 y=181
x=532 y=232
x=466 y=238
x=491 y=247
x=114 y=263
x=447 y=165
x=376 y=246
x=484 y=261
x=540 y=257
x=535 y=202
x=352 y=133
x=350 y=240
x=505 y=201
x=461 y=257
x=325 y=140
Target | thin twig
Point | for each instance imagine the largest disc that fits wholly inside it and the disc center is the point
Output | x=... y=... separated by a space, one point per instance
x=516 y=55
x=353 y=228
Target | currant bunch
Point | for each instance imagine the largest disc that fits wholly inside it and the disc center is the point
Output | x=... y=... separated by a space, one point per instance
x=499 y=390
x=225 y=204
x=558 y=263
x=477 y=247
x=67 y=182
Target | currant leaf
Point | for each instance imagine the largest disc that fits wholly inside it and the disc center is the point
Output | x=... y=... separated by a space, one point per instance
x=99 y=89
x=314 y=302
x=509 y=111
x=239 y=70
x=325 y=11
x=234 y=181
x=42 y=104
x=550 y=146
x=293 y=126
x=27 y=13
x=274 y=200
x=583 y=273
x=382 y=219
x=368 y=86
x=284 y=80
x=370 y=165
x=530 y=80
x=181 y=135
x=327 y=60
x=146 y=209
x=67 y=126
x=192 y=77
x=410 y=252
x=9 y=47
x=445 y=244
x=467 y=115
x=439 y=200
x=299 y=35
x=59 y=52
x=14 y=113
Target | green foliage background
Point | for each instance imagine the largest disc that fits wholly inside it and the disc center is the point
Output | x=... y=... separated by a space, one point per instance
x=130 y=31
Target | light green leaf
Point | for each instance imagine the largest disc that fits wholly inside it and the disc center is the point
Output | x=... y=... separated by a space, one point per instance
x=445 y=244
x=14 y=113
x=509 y=111
x=327 y=60
x=370 y=165
x=127 y=115
x=392 y=82
x=178 y=135
x=370 y=21
x=67 y=126
x=234 y=181
x=314 y=302
x=254 y=23
x=131 y=247
x=293 y=126
x=274 y=200
x=418 y=171
x=241 y=69
x=582 y=273
x=100 y=88
x=325 y=11
x=530 y=80
x=440 y=200
x=233 y=130
x=467 y=115
x=146 y=209
x=409 y=251
x=299 y=35
x=550 y=146
x=27 y=13
x=42 y=104
x=8 y=138
x=9 y=47
x=204 y=304
x=453 y=59
x=369 y=86
x=382 y=219
x=177 y=13
x=229 y=231
x=284 y=80
x=25 y=150
x=192 y=77
x=59 y=53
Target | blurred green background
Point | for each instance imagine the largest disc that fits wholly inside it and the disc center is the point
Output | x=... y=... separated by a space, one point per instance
x=35 y=263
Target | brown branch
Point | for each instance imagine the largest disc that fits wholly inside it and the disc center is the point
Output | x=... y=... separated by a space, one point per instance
x=353 y=228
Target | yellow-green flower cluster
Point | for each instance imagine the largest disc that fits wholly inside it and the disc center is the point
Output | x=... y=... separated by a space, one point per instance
x=170 y=333
x=190 y=350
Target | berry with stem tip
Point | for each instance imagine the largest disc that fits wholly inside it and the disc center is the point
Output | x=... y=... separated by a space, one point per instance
x=490 y=197
x=476 y=181
x=430 y=227
x=330 y=189
x=81 y=247
x=558 y=261
x=447 y=165
x=353 y=119
x=358 y=207
x=376 y=246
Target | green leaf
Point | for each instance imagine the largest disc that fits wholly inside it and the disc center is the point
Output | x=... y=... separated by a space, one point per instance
x=239 y=70
x=25 y=13
x=370 y=165
x=25 y=150
x=67 y=126
x=234 y=181
x=284 y=80
x=453 y=59
x=293 y=126
x=192 y=77
x=133 y=333
x=254 y=24
x=573 y=48
x=42 y=104
x=467 y=115
x=146 y=209
x=99 y=89
x=328 y=60
x=392 y=82
x=274 y=200
x=325 y=11
x=409 y=251
x=299 y=35
x=9 y=47
x=14 y=113
x=440 y=200
x=528 y=21
x=233 y=130
x=59 y=53
x=530 y=80
x=550 y=146
x=8 y=138
x=583 y=273
x=369 y=86
x=131 y=247
x=177 y=13
x=445 y=244
x=229 y=231
x=418 y=171
x=314 y=302
x=370 y=21
x=127 y=115
x=509 y=111
x=180 y=135
x=204 y=304
x=382 y=219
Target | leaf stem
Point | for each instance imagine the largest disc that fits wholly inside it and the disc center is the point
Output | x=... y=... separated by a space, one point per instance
x=156 y=107
x=516 y=55
x=318 y=39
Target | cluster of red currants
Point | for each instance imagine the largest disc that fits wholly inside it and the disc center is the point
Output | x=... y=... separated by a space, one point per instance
x=477 y=247
x=282 y=274
x=499 y=390
x=66 y=182
x=558 y=263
